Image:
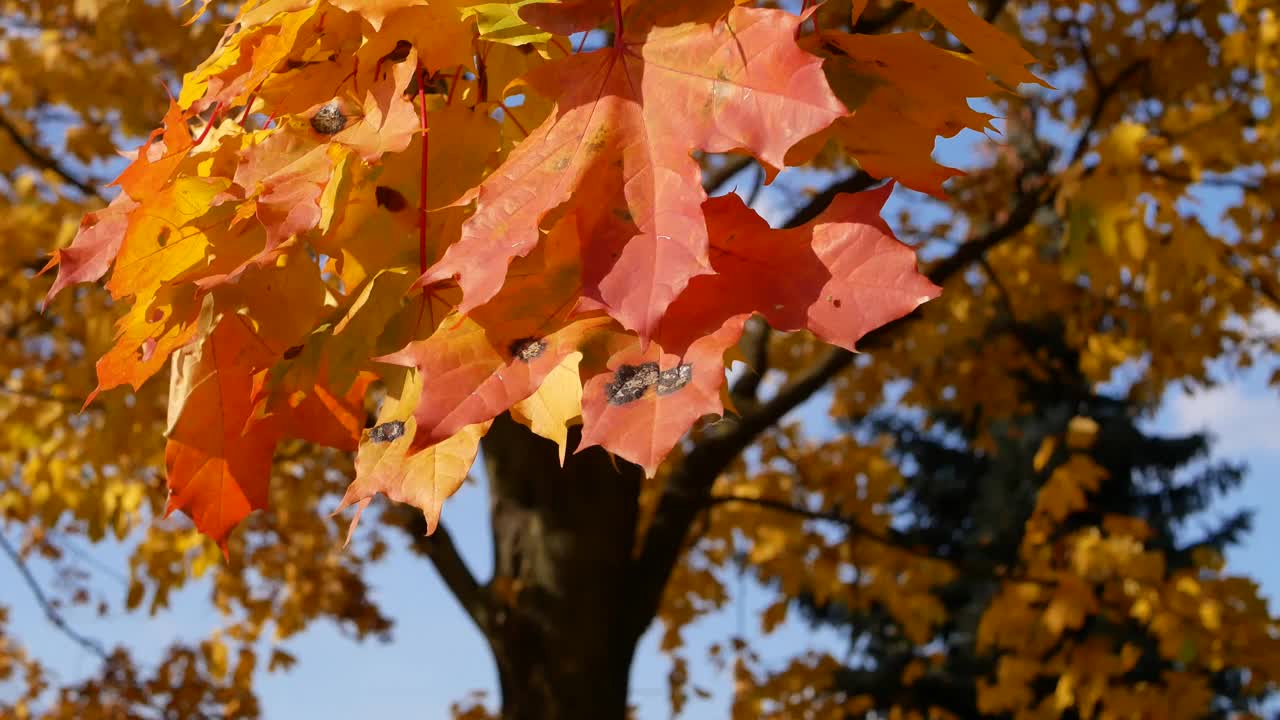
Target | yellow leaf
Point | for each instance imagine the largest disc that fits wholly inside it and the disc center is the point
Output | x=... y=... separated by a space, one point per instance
x=556 y=405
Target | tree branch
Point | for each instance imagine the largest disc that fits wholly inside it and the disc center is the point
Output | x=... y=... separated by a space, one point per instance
x=50 y=612
x=689 y=484
x=45 y=161
x=856 y=182
x=855 y=528
x=443 y=554
x=716 y=178
x=1105 y=94
x=755 y=346
x=1108 y=90
x=892 y=541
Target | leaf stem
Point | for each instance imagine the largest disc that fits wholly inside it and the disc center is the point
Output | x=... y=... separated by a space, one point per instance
x=213 y=118
x=424 y=173
x=512 y=115
x=617 y=24
x=453 y=85
x=248 y=107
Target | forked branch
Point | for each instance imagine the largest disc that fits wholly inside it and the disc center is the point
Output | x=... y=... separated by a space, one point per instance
x=689 y=485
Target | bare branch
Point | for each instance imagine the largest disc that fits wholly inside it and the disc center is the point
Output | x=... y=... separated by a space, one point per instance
x=439 y=548
x=1107 y=91
x=755 y=346
x=856 y=182
x=45 y=161
x=50 y=612
x=893 y=541
x=851 y=524
x=717 y=178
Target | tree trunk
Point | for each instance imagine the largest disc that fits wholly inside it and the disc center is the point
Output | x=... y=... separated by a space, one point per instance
x=562 y=632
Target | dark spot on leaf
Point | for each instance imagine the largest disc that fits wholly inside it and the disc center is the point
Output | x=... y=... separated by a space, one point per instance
x=437 y=86
x=155 y=316
x=390 y=198
x=399 y=52
x=162 y=238
x=387 y=431
x=623 y=214
x=677 y=377
x=630 y=382
x=293 y=352
x=528 y=349
x=836 y=302
x=329 y=119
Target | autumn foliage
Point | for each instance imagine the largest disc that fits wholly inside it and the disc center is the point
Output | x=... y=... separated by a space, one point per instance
x=273 y=253
x=357 y=241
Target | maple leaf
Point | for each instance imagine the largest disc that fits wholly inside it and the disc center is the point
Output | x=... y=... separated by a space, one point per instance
x=501 y=22
x=555 y=405
x=281 y=301
x=567 y=16
x=998 y=51
x=169 y=237
x=282 y=178
x=477 y=366
x=319 y=414
x=648 y=399
x=435 y=30
x=845 y=273
x=389 y=120
x=154 y=327
x=904 y=93
x=387 y=463
x=339 y=349
x=617 y=149
x=468 y=380
x=259 y=42
x=95 y=246
x=218 y=458
x=157 y=160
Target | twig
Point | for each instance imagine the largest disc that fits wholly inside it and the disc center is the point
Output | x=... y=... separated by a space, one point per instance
x=50 y=612
x=756 y=348
x=45 y=161
x=717 y=178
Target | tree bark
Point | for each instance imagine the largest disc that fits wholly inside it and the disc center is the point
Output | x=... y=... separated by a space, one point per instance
x=560 y=628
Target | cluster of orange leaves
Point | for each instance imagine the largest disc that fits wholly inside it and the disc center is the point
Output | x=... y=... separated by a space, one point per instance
x=362 y=202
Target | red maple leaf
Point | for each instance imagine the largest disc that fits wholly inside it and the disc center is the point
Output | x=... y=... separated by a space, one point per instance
x=617 y=150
